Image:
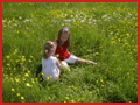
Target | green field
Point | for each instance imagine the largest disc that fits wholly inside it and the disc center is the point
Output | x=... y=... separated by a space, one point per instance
x=103 y=32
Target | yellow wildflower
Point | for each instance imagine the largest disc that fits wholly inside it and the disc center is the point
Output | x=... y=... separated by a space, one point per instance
x=22 y=98
x=101 y=80
x=13 y=90
x=18 y=94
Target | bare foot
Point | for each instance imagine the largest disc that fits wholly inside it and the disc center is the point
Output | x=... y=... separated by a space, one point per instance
x=93 y=63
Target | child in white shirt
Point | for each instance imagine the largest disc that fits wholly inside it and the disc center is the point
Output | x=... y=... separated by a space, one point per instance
x=50 y=64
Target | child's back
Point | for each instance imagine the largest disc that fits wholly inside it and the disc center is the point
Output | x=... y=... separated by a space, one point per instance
x=49 y=68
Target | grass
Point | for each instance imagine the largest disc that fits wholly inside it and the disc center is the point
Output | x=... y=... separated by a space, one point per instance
x=103 y=32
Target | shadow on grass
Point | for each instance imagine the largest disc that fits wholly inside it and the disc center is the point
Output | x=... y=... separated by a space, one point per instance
x=115 y=97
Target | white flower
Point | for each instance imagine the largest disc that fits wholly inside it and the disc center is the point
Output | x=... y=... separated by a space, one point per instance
x=105 y=15
x=130 y=14
x=62 y=24
x=76 y=15
x=20 y=18
x=27 y=20
x=71 y=15
x=3 y=21
x=74 y=20
x=15 y=24
x=83 y=20
x=109 y=17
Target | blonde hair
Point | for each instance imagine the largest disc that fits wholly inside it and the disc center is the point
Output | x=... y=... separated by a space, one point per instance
x=59 y=42
x=48 y=47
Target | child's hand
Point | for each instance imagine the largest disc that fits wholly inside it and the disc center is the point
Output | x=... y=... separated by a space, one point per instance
x=68 y=52
x=67 y=67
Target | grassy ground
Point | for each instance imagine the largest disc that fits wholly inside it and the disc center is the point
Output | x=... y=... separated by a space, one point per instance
x=106 y=33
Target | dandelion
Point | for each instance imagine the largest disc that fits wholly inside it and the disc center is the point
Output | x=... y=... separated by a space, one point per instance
x=119 y=39
x=27 y=75
x=22 y=98
x=18 y=94
x=29 y=60
x=64 y=101
x=7 y=57
x=12 y=79
x=136 y=24
x=49 y=97
x=23 y=59
x=101 y=80
x=42 y=74
x=17 y=79
x=11 y=74
x=74 y=88
x=17 y=60
x=97 y=53
x=130 y=53
x=47 y=77
x=31 y=56
x=136 y=46
x=67 y=97
x=24 y=78
x=102 y=85
x=17 y=31
x=32 y=80
x=13 y=90
x=28 y=84
x=32 y=15
x=71 y=101
x=88 y=50
x=127 y=73
x=130 y=101
x=8 y=64
x=90 y=92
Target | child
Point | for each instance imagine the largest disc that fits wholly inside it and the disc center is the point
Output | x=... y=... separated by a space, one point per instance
x=50 y=64
x=63 y=44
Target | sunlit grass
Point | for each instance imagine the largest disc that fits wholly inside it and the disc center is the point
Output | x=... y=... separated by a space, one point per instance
x=106 y=33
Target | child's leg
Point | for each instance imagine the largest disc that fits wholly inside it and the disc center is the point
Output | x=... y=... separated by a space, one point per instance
x=65 y=65
x=80 y=60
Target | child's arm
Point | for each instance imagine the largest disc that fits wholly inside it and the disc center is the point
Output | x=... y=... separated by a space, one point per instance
x=58 y=64
x=67 y=50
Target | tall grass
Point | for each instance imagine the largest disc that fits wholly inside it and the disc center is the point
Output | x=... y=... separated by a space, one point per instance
x=103 y=32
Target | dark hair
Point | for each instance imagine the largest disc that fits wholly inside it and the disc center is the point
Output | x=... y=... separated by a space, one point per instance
x=59 y=42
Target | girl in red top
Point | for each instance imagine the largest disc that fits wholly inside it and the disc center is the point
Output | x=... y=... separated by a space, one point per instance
x=63 y=44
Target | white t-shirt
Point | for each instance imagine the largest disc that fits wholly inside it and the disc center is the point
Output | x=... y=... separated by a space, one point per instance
x=49 y=68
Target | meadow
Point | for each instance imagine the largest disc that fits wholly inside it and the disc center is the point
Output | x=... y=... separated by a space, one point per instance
x=103 y=32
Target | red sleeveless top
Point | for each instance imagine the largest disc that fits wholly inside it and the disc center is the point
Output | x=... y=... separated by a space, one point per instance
x=62 y=52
